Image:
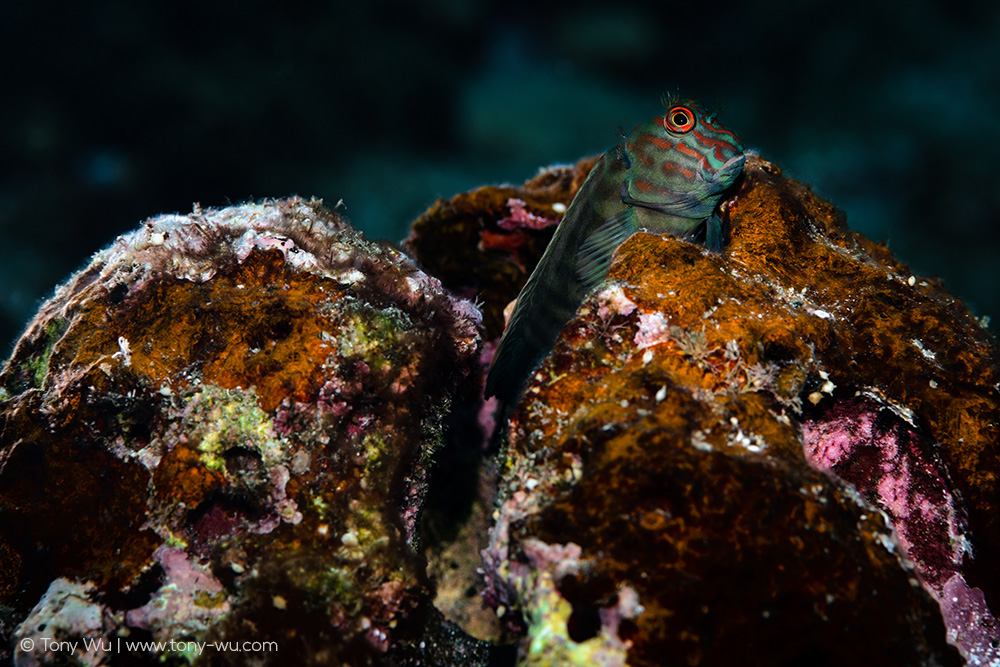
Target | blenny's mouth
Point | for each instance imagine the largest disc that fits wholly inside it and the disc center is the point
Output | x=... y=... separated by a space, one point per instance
x=732 y=168
x=724 y=175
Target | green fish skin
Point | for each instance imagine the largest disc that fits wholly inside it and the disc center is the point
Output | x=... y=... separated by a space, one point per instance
x=666 y=177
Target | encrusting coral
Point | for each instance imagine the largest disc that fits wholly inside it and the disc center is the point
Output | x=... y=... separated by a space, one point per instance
x=220 y=430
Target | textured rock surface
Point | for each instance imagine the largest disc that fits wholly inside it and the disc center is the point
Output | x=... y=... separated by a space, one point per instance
x=220 y=430
x=711 y=462
x=485 y=242
x=786 y=453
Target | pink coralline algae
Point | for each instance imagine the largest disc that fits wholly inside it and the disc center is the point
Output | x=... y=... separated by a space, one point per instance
x=521 y=218
x=189 y=602
x=484 y=242
x=68 y=614
x=221 y=430
x=877 y=449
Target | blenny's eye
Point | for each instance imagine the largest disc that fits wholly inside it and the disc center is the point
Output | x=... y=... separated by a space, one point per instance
x=679 y=119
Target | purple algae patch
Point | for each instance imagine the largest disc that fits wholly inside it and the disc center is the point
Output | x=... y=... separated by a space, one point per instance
x=874 y=447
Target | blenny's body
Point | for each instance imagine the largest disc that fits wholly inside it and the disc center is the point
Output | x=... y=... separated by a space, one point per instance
x=666 y=177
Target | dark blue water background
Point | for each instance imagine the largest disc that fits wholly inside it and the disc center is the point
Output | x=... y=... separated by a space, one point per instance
x=113 y=111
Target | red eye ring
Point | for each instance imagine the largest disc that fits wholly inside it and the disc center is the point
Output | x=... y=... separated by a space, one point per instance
x=679 y=119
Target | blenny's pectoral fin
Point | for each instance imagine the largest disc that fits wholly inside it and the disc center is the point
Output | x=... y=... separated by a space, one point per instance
x=594 y=257
x=713 y=233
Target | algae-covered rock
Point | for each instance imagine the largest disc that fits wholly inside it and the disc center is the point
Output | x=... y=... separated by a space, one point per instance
x=485 y=242
x=224 y=429
x=784 y=453
x=220 y=430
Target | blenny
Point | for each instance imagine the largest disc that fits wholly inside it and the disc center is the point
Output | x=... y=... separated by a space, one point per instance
x=665 y=177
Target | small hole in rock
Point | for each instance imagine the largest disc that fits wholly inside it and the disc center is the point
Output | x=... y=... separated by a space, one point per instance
x=140 y=591
x=241 y=459
x=627 y=629
x=584 y=623
x=118 y=294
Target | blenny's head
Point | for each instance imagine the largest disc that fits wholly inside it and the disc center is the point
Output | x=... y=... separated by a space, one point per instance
x=684 y=151
x=699 y=129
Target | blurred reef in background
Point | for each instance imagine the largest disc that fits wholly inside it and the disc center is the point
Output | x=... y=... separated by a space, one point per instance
x=115 y=110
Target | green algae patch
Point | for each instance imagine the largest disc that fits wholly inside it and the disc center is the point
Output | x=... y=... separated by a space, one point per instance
x=39 y=365
x=32 y=371
x=227 y=418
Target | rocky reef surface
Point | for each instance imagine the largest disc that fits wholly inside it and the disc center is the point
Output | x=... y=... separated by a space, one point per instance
x=246 y=424
x=221 y=431
x=785 y=453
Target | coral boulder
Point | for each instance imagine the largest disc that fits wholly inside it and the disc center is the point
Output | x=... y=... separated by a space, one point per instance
x=220 y=431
